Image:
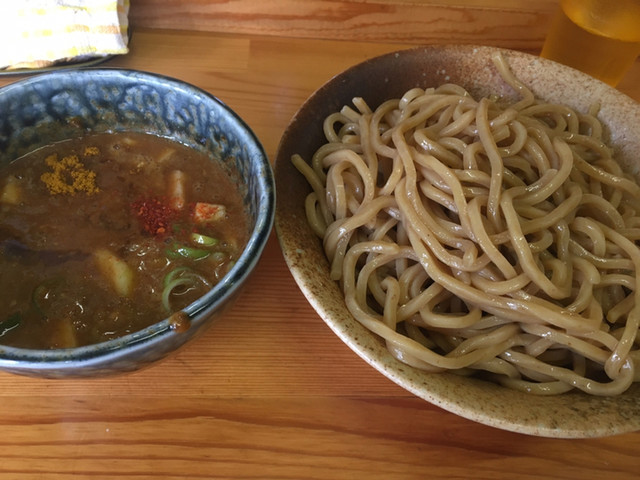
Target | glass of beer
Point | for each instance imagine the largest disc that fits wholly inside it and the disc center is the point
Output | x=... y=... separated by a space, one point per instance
x=598 y=37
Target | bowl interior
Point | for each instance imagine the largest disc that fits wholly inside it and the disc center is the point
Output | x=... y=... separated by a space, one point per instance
x=48 y=108
x=570 y=415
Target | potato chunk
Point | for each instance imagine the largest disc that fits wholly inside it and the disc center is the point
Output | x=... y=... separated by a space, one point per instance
x=116 y=270
x=11 y=192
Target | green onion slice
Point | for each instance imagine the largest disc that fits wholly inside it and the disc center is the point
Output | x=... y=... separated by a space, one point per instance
x=177 y=250
x=204 y=240
x=9 y=323
x=42 y=293
x=175 y=273
x=180 y=277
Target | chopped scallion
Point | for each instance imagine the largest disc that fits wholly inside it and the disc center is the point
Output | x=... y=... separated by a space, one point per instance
x=9 y=323
x=219 y=257
x=173 y=274
x=42 y=294
x=180 y=277
x=204 y=240
x=177 y=250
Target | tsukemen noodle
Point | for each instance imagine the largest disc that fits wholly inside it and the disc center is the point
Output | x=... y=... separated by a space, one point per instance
x=484 y=237
x=107 y=234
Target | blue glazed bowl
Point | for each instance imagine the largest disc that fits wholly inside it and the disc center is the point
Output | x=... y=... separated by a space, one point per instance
x=66 y=104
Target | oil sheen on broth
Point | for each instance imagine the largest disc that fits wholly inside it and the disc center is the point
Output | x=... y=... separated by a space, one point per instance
x=104 y=235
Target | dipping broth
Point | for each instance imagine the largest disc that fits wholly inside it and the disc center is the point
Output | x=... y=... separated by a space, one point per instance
x=105 y=235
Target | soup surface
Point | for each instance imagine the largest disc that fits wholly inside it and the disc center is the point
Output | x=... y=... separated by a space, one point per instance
x=107 y=234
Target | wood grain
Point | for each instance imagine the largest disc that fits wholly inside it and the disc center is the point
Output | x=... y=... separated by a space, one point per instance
x=514 y=24
x=283 y=438
x=269 y=392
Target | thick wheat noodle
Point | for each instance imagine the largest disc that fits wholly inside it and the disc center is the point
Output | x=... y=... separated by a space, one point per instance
x=482 y=237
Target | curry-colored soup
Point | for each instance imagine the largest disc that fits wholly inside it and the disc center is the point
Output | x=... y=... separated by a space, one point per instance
x=107 y=234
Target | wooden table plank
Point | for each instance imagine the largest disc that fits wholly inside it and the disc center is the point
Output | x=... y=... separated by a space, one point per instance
x=283 y=438
x=514 y=24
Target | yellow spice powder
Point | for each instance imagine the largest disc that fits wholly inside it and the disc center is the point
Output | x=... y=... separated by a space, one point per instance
x=91 y=151
x=69 y=175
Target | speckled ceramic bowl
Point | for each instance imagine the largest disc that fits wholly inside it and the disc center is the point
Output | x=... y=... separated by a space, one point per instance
x=389 y=76
x=66 y=104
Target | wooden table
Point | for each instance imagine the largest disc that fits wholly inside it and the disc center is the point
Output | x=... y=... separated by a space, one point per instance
x=269 y=392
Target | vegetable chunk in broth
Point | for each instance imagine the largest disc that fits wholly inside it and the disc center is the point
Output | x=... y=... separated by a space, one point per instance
x=105 y=235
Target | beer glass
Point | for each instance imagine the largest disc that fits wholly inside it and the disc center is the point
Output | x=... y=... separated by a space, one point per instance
x=598 y=37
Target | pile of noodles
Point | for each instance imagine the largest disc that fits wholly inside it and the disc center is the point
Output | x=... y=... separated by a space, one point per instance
x=484 y=238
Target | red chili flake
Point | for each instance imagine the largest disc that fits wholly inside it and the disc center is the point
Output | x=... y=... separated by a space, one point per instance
x=154 y=215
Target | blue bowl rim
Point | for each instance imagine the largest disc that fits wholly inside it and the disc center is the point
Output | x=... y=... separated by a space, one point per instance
x=104 y=352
